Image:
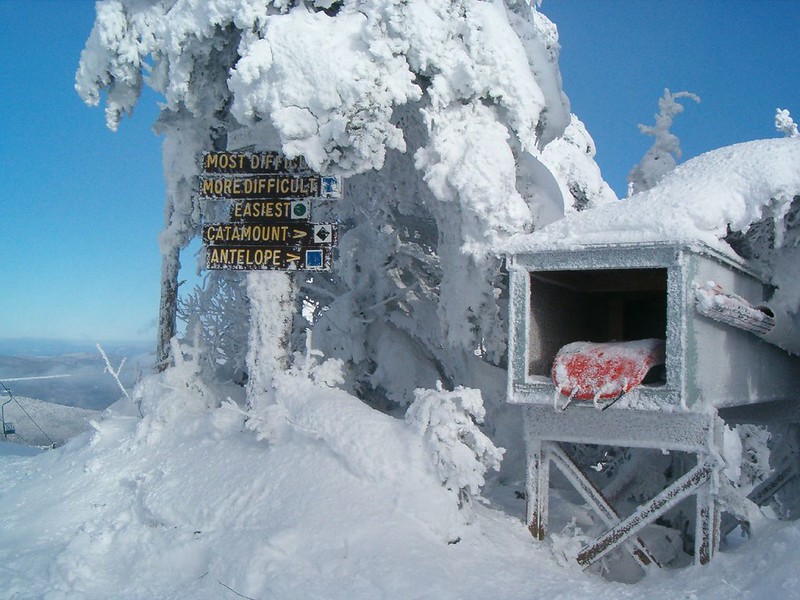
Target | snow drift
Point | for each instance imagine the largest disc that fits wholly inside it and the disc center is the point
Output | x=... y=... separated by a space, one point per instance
x=340 y=502
x=701 y=200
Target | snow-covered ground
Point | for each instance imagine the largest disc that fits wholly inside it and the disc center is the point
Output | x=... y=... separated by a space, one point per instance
x=39 y=423
x=336 y=500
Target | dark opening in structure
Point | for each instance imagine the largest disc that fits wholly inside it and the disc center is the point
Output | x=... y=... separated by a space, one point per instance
x=593 y=306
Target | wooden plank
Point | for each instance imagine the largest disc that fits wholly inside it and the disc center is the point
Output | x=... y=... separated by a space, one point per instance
x=252 y=163
x=646 y=514
x=597 y=501
x=707 y=527
x=277 y=233
x=269 y=187
x=538 y=489
x=269 y=258
x=584 y=424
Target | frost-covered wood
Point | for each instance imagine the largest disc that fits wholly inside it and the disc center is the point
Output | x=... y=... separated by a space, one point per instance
x=647 y=512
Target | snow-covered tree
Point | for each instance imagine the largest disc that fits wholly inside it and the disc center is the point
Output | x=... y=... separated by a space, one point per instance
x=571 y=158
x=460 y=452
x=444 y=116
x=663 y=155
x=785 y=124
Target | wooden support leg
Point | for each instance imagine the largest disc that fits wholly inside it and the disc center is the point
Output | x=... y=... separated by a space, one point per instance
x=597 y=501
x=646 y=513
x=538 y=488
x=706 y=543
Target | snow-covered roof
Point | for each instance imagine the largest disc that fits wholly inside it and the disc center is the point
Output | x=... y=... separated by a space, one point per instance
x=734 y=187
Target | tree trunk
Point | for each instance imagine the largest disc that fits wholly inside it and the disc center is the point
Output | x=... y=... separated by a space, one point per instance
x=168 y=308
x=271 y=297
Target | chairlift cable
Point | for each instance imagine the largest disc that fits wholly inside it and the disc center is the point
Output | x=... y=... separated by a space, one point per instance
x=52 y=443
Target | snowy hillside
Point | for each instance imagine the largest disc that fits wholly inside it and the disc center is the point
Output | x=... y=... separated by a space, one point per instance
x=340 y=501
x=39 y=423
x=70 y=373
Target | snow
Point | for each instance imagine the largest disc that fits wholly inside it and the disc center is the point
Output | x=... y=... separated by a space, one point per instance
x=340 y=501
x=734 y=186
x=449 y=120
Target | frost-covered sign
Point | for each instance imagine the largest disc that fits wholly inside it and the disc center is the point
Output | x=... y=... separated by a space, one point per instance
x=275 y=258
x=266 y=210
x=269 y=226
x=264 y=187
x=297 y=234
x=252 y=163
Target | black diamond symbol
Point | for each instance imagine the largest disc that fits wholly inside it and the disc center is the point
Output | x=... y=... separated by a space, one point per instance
x=323 y=234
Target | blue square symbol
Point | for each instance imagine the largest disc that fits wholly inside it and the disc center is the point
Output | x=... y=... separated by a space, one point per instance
x=313 y=259
x=328 y=185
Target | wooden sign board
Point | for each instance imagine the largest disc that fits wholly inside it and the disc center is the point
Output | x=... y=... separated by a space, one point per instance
x=289 y=234
x=252 y=163
x=269 y=210
x=269 y=258
x=270 y=187
x=271 y=204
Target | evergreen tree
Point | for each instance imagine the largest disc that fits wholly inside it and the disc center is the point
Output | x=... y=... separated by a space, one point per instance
x=663 y=155
x=441 y=115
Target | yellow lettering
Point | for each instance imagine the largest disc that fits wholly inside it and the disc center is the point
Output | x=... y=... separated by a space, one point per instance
x=211 y=161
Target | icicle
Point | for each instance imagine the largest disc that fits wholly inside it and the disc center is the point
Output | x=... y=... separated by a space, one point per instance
x=557 y=395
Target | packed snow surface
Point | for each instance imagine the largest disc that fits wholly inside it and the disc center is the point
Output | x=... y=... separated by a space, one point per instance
x=733 y=186
x=340 y=501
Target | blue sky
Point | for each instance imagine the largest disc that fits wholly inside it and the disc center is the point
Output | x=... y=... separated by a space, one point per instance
x=81 y=207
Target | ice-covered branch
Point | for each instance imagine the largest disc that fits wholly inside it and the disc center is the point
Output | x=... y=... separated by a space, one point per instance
x=662 y=157
x=785 y=124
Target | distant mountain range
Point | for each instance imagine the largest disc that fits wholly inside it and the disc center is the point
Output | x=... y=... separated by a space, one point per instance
x=75 y=370
x=49 y=347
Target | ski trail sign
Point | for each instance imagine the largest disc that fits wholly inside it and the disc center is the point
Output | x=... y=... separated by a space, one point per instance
x=269 y=258
x=269 y=225
x=294 y=234
x=270 y=187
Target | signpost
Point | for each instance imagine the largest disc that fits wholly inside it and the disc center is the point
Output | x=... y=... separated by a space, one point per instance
x=269 y=233
x=271 y=198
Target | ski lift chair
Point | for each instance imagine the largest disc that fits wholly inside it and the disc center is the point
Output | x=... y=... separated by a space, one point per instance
x=8 y=426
